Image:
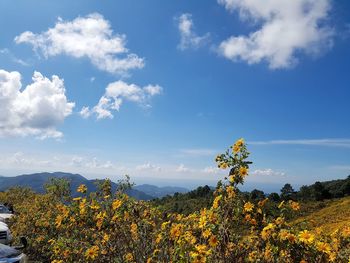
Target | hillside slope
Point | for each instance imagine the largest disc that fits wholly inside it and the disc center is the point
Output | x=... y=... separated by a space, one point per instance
x=334 y=215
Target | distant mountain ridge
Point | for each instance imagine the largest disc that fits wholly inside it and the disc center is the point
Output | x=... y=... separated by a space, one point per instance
x=160 y=192
x=37 y=181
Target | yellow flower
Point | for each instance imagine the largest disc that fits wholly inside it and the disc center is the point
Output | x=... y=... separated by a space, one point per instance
x=82 y=189
x=346 y=232
x=206 y=233
x=106 y=237
x=283 y=234
x=202 y=221
x=223 y=165
x=133 y=230
x=292 y=238
x=175 y=231
x=159 y=238
x=306 y=237
x=243 y=171
x=252 y=256
x=94 y=205
x=279 y=220
x=202 y=249
x=267 y=230
x=92 y=252
x=213 y=241
x=129 y=257
x=231 y=178
x=190 y=238
x=236 y=148
x=248 y=207
x=294 y=205
x=230 y=192
x=58 y=221
x=263 y=202
x=324 y=247
x=268 y=254
x=116 y=204
x=216 y=201
x=240 y=142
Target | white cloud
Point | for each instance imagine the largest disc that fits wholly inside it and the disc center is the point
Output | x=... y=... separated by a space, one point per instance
x=116 y=93
x=312 y=142
x=90 y=36
x=189 y=39
x=287 y=28
x=182 y=169
x=149 y=167
x=213 y=170
x=35 y=110
x=9 y=54
x=198 y=152
x=85 y=112
x=95 y=163
x=267 y=172
x=19 y=158
x=91 y=163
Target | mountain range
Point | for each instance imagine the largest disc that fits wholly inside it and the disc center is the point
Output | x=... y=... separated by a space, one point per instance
x=37 y=181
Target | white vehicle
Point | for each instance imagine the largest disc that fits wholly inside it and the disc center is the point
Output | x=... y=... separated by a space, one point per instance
x=5 y=213
x=5 y=234
x=13 y=254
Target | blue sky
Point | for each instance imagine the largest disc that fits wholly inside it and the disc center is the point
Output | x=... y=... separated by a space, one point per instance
x=182 y=81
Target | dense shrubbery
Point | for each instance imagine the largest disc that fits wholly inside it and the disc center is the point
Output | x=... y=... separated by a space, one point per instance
x=102 y=227
x=186 y=203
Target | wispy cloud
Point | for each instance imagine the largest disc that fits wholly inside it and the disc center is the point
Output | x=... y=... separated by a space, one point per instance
x=189 y=39
x=198 y=152
x=8 y=53
x=312 y=142
x=182 y=169
x=267 y=172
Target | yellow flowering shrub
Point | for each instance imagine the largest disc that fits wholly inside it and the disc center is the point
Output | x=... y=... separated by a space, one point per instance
x=100 y=227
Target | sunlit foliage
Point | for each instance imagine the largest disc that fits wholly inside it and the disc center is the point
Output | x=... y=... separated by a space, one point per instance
x=106 y=227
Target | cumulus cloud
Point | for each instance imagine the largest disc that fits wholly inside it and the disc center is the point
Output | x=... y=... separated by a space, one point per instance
x=149 y=167
x=287 y=28
x=85 y=112
x=90 y=36
x=189 y=39
x=35 y=110
x=267 y=172
x=116 y=93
